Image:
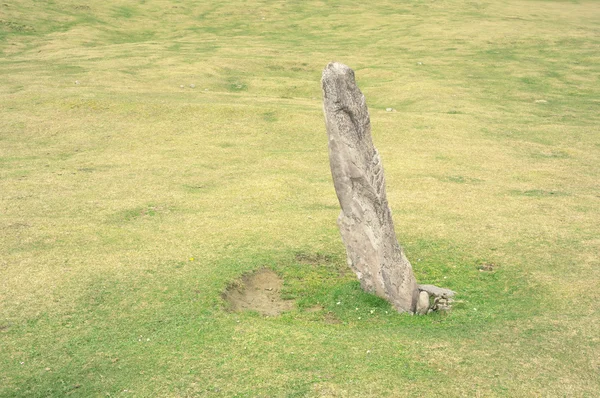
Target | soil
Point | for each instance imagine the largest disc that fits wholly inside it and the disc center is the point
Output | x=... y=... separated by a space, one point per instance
x=314 y=308
x=260 y=292
x=486 y=267
x=331 y=319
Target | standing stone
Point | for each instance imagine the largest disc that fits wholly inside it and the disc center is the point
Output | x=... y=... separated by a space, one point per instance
x=365 y=222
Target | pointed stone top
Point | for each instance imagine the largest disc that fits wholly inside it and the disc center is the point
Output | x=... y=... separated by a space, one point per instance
x=340 y=91
x=338 y=68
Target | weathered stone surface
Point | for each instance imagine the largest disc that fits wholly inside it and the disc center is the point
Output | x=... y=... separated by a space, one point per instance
x=365 y=221
x=437 y=291
x=423 y=303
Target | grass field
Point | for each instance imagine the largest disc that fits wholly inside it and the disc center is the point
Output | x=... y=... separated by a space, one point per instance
x=128 y=203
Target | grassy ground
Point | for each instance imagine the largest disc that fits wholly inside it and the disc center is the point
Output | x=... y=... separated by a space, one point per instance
x=128 y=203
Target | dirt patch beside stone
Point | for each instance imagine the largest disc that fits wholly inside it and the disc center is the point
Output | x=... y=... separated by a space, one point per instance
x=260 y=292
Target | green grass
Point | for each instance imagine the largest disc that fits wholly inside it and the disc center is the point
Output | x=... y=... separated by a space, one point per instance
x=128 y=203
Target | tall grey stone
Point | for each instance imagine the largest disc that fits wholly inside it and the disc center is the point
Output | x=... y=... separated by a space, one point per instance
x=365 y=221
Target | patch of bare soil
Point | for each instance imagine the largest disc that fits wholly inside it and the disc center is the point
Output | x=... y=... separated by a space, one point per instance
x=331 y=319
x=260 y=292
x=486 y=267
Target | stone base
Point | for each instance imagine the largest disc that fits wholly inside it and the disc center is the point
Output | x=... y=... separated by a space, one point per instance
x=442 y=299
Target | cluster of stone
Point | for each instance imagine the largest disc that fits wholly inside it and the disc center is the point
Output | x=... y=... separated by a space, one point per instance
x=433 y=298
x=441 y=304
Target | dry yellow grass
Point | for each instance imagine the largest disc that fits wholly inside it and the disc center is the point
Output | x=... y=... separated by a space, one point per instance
x=109 y=187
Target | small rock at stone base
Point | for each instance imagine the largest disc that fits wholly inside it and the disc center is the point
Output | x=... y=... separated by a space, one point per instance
x=423 y=303
x=389 y=109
